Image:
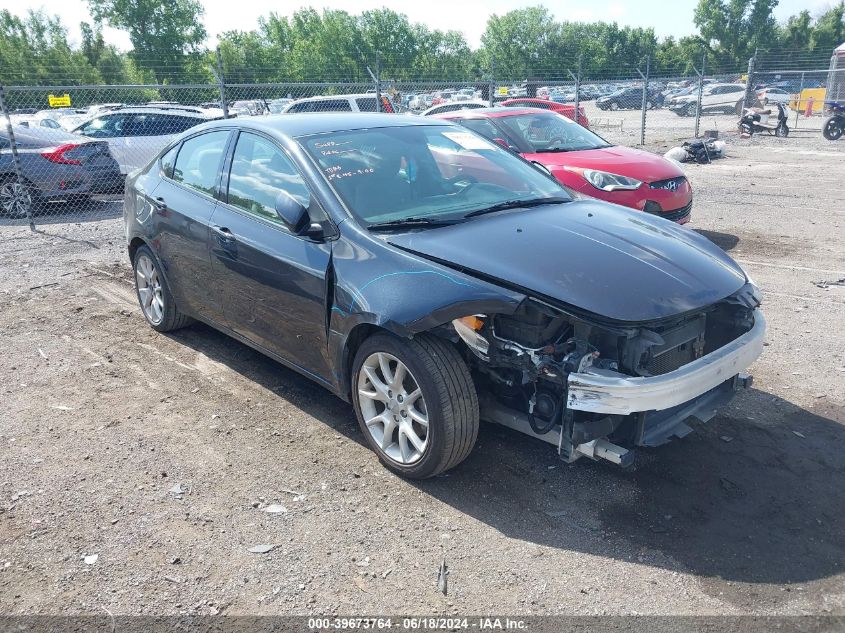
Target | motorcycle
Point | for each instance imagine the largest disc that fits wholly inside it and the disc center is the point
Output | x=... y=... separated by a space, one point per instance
x=759 y=120
x=834 y=126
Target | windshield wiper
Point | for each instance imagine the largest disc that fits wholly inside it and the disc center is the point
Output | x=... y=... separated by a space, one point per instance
x=409 y=222
x=516 y=204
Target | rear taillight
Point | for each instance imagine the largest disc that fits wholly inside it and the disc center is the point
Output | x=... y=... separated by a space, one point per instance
x=57 y=154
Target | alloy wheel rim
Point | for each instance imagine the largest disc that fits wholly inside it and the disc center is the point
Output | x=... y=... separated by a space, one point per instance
x=15 y=199
x=393 y=408
x=149 y=289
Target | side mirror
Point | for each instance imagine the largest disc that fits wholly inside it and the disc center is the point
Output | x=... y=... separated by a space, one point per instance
x=542 y=168
x=502 y=142
x=291 y=211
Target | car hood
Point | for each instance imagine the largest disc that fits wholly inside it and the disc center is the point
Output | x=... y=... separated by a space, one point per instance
x=598 y=257
x=617 y=159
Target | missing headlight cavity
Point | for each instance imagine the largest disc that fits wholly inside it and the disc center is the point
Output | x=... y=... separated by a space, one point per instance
x=522 y=364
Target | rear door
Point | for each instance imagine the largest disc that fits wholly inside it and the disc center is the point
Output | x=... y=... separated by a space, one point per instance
x=274 y=281
x=183 y=203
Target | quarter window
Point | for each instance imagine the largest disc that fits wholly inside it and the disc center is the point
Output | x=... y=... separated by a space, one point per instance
x=260 y=170
x=198 y=162
x=168 y=160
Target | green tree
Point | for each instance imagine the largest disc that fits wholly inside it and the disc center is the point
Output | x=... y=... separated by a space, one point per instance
x=734 y=29
x=165 y=34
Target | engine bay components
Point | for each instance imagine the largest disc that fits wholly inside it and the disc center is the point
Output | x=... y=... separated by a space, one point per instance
x=600 y=389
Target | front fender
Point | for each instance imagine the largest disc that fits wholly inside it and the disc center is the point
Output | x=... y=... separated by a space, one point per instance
x=381 y=286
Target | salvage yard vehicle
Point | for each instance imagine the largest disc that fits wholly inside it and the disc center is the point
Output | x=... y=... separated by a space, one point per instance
x=585 y=162
x=136 y=134
x=340 y=103
x=56 y=167
x=727 y=98
x=434 y=279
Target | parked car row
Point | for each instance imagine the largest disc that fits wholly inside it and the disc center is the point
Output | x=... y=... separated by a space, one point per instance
x=433 y=277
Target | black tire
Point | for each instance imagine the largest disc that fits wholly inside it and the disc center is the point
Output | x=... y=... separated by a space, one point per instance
x=171 y=317
x=833 y=128
x=782 y=130
x=450 y=398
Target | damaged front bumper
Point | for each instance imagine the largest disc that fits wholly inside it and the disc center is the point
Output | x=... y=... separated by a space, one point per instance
x=602 y=391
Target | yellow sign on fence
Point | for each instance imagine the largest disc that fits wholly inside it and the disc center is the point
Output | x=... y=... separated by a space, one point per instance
x=59 y=102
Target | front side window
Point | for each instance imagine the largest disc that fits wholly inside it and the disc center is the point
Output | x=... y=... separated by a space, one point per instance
x=550 y=132
x=367 y=104
x=109 y=126
x=305 y=106
x=332 y=105
x=260 y=170
x=198 y=162
x=429 y=173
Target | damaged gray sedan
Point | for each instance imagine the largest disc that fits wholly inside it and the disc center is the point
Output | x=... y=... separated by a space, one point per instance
x=435 y=279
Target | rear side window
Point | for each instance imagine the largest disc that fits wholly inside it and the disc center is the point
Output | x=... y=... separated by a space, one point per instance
x=198 y=162
x=259 y=171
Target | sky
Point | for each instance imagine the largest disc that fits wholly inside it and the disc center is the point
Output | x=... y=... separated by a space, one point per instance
x=667 y=17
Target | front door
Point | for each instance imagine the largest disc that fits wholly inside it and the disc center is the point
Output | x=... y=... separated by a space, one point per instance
x=274 y=281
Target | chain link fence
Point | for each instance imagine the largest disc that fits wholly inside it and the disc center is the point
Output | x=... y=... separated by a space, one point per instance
x=65 y=150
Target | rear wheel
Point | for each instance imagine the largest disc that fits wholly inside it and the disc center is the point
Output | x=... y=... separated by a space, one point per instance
x=690 y=110
x=832 y=129
x=782 y=129
x=614 y=105
x=415 y=402
x=17 y=200
x=154 y=294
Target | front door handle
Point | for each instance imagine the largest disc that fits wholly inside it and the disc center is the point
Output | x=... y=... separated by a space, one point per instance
x=223 y=232
x=160 y=204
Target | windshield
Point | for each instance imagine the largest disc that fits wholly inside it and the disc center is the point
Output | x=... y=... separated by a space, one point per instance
x=550 y=132
x=428 y=173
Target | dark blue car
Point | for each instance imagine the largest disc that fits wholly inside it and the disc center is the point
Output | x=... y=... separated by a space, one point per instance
x=434 y=279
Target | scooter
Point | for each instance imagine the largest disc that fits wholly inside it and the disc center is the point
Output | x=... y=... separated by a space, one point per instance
x=759 y=120
x=834 y=126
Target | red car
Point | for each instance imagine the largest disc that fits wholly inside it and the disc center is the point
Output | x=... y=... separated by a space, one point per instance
x=585 y=162
x=565 y=109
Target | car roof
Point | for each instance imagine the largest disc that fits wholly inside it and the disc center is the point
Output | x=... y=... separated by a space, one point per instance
x=175 y=111
x=334 y=97
x=489 y=113
x=305 y=124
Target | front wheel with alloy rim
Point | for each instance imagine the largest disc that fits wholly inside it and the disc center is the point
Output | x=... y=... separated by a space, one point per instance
x=16 y=199
x=415 y=402
x=154 y=295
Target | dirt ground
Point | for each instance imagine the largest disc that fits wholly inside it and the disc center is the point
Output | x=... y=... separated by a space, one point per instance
x=159 y=454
